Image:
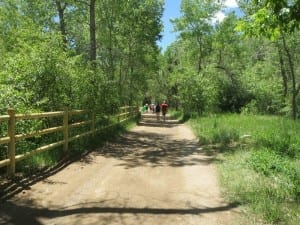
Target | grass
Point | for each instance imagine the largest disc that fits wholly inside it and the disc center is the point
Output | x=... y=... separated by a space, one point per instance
x=259 y=165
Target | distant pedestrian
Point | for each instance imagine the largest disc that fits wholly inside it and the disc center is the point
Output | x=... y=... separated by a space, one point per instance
x=144 y=109
x=153 y=106
x=164 y=109
x=157 y=110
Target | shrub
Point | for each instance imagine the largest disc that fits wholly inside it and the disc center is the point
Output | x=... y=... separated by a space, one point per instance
x=225 y=136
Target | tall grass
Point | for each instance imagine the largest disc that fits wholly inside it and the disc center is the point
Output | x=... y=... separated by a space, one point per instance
x=260 y=166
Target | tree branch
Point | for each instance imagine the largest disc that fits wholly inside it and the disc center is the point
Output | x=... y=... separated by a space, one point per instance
x=229 y=73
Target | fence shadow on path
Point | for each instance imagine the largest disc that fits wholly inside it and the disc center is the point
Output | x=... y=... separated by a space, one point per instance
x=9 y=188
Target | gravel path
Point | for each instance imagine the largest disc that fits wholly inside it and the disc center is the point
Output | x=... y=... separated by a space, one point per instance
x=154 y=174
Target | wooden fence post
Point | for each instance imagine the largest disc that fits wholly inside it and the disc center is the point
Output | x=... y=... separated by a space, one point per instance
x=11 y=169
x=66 y=130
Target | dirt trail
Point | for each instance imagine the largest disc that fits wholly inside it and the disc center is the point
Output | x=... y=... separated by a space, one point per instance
x=155 y=174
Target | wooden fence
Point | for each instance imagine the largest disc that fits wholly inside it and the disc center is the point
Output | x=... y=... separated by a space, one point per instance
x=12 y=137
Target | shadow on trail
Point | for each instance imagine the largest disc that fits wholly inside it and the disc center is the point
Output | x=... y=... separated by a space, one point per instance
x=14 y=186
x=12 y=214
x=9 y=188
x=160 y=123
x=153 y=149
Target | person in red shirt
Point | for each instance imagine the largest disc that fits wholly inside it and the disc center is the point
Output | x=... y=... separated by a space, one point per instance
x=164 y=109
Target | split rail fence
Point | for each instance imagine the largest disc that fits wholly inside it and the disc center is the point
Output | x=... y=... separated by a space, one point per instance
x=67 y=125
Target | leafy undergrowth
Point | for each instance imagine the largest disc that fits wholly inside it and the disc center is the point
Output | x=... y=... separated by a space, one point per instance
x=260 y=164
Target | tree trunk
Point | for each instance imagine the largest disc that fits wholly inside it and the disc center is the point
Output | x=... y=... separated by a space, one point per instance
x=93 y=51
x=283 y=73
x=111 y=42
x=61 y=9
x=131 y=96
x=294 y=88
x=92 y=33
x=121 y=80
x=131 y=70
x=200 y=55
x=111 y=58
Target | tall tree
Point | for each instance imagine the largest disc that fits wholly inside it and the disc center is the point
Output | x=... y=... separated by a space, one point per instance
x=61 y=7
x=196 y=23
x=275 y=20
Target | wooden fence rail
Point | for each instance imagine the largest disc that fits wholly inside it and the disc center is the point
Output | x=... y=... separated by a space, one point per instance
x=68 y=124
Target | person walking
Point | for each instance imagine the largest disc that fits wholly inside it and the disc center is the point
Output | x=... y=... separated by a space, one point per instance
x=164 y=109
x=157 y=110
